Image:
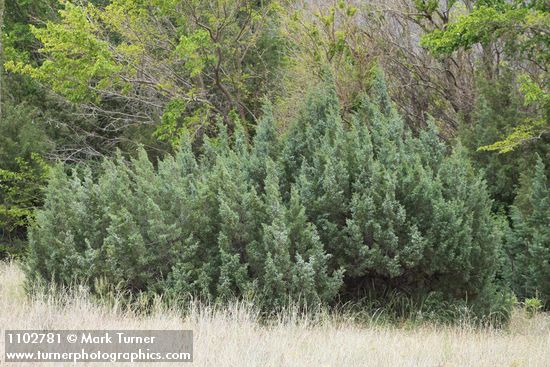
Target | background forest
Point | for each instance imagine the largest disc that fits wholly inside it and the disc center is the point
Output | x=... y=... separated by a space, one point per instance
x=306 y=152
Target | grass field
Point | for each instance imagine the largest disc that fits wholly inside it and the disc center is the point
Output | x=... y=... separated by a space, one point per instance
x=234 y=337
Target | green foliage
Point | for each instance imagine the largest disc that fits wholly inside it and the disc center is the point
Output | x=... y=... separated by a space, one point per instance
x=139 y=59
x=18 y=41
x=532 y=306
x=389 y=206
x=168 y=128
x=78 y=56
x=20 y=193
x=188 y=48
x=21 y=134
x=530 y=239
x=22 y=174
x=321 y=212
x=522 y=29
x=427 y=7
x=498 y=111
x=480 y=26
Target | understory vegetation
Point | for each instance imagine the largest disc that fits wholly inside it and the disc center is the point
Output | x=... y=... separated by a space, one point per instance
x=321 y=212
x=378 y=155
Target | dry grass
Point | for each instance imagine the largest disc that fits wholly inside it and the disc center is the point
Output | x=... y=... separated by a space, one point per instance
x=234 y=337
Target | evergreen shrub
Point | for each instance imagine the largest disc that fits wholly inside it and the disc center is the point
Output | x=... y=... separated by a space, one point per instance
x=328 y=212
x=529 y=242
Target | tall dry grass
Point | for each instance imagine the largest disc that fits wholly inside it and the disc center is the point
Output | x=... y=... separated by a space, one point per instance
x=234 y=336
